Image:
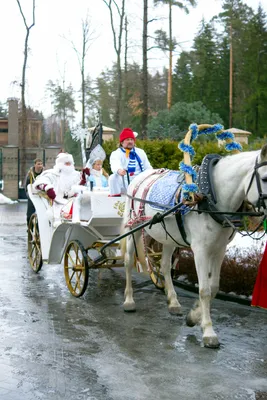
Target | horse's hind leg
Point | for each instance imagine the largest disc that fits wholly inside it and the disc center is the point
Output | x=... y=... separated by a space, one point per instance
x=174 y=306
x=208 y=267
x=129 y=304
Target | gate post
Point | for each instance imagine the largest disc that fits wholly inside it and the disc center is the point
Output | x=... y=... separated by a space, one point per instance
x=51 y=153
x=10 y=171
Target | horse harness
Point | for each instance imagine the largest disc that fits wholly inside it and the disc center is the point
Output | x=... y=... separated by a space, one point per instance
x=138 y=216
x=255 y=174
x=206 y=203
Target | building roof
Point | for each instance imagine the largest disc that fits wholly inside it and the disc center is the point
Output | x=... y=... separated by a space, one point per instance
x=237 y=131
x=105 y=129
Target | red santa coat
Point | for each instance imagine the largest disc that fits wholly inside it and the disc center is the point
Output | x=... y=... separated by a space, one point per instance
x=259 y=296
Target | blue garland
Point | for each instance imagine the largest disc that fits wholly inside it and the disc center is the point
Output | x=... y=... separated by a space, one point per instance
x=188 y=169
x=220 y=134
x=233 y=146
x=186 y=148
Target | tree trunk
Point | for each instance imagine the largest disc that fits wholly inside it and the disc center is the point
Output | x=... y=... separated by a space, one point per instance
x=23 y=128
x=231 y=80
x=117 y=46
x=126 y=84
x=169 y=95
x=118 y=97
x=144 y=120
x=83 y=90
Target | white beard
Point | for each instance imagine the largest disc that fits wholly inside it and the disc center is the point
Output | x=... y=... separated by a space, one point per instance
x=68 y=177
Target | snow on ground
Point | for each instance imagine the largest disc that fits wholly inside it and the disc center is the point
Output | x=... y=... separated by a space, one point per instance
x=246 y=244
x=6 y=200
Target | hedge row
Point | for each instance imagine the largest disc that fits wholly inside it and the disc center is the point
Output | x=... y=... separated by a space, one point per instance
x=165 y=153
x=238 y=272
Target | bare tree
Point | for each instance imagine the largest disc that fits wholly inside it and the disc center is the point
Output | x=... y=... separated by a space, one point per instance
x=23 y=131
x=169 y=42
x=117 y=42
x=144 y=75
x=125 y=94
x=87 y=39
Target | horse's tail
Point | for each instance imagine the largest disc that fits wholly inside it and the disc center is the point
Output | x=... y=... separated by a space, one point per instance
x=123 y=246
x=140 y=254
x=124 y=229
x=138 y=236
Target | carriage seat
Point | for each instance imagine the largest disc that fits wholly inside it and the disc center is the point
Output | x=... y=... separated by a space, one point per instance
x=97 y=203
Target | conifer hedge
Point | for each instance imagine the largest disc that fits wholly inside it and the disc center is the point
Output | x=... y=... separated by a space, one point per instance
x=165 y=153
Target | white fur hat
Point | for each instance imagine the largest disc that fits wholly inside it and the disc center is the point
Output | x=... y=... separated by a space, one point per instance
x=63 y=158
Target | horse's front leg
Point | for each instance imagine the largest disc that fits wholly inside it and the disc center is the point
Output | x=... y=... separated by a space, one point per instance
x=174 y=306
x=129 y=304
x=208 y=264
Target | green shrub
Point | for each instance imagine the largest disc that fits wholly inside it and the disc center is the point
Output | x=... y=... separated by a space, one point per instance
x=173 y=124
x=165 y=153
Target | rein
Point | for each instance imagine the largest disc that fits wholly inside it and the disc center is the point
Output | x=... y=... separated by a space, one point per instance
x=152 y=203
x=158 y=217
x=262 y=196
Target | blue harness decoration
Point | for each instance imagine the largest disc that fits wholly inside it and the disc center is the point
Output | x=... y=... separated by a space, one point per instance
x=230 y=145
x=133 y=157
x=164 y=190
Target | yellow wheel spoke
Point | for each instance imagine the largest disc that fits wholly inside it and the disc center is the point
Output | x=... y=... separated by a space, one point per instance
x=70 y=258
x=71 y=276
x=76 y=268
x=34 y=245
x=77 y=282
x=34 y=259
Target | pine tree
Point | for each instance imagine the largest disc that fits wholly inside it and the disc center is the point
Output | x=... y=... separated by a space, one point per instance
x=255 y=69
x=205 y=67
x=235 y=18
x=182 y=78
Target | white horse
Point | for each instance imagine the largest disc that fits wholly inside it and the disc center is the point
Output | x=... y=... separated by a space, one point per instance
x=236 y=178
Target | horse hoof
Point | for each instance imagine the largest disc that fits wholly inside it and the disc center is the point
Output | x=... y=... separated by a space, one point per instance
x=189 y=321
x=175 y=310
x=211 y=342
x=129 y=307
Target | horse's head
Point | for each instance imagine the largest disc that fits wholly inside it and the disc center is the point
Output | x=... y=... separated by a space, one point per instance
x=257 y=188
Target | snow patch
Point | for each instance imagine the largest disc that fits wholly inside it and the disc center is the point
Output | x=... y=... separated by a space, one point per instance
x=6 y=200
x=246 y=244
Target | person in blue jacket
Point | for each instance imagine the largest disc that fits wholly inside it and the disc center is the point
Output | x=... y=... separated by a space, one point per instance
x=98 y=176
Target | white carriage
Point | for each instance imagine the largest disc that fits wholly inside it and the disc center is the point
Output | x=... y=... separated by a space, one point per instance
x=80 y=245
x=77 y=243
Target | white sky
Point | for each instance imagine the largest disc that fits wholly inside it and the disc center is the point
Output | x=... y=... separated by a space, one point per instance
x=51 y=56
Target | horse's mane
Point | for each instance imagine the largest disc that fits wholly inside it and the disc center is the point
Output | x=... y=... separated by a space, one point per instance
x=245 y=157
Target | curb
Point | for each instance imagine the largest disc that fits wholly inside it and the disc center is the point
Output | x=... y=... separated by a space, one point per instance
x=219 y=296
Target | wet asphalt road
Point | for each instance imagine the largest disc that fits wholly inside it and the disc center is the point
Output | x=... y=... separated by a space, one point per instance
x=54 y=346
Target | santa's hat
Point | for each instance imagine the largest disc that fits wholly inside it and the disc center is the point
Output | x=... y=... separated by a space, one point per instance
x=63 y=158
x=126 y=133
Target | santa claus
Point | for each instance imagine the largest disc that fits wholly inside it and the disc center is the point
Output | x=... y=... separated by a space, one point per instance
x=59 y=183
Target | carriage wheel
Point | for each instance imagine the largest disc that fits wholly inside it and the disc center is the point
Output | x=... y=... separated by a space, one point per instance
x=34 y=244
x=76 y=268
x=154 y=251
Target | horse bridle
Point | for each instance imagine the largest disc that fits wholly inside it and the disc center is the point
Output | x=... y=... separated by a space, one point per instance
x=262 y=196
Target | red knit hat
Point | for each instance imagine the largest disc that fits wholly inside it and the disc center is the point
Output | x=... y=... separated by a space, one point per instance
x=126 y=133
